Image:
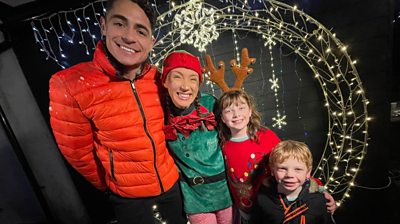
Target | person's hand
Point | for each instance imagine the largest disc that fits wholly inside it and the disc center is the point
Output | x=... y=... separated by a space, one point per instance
x=330 y=204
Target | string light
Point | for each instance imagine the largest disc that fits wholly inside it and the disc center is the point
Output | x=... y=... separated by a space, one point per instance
x=200 y=23
x=279 y=120
x=157 y=215
x=57 y=32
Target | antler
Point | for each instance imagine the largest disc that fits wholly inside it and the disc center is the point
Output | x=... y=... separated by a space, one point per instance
x=241 y=72
x=216 y=75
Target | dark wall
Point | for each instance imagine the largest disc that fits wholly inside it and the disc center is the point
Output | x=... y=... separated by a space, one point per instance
x=368 y=29
x=366 y=26
x=37 y=71
x=394 y=127
x=23 y=204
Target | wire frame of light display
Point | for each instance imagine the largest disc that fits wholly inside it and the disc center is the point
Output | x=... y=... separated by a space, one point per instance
x=199 y=23
x=325 y=54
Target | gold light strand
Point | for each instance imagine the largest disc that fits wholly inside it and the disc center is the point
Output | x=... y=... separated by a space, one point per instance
x=279 y=120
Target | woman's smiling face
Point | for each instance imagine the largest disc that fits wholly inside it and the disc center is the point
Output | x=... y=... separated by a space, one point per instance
x=183 y=86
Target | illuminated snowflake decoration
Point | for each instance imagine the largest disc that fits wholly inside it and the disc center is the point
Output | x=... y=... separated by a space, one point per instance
x=274 y=82
x=279 y=121
x=196 y=25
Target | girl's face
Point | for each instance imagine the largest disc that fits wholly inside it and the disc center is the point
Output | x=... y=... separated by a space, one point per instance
x=236 y=116
x=290 y=175
x=183 y=86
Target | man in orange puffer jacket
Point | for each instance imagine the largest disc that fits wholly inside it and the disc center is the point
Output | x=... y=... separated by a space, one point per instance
x=107 y=118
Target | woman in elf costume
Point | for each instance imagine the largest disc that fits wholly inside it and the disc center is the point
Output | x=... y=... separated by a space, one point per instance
x=193 y=140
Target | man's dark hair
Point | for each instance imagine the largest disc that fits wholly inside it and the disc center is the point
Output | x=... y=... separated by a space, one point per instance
x=144 y=4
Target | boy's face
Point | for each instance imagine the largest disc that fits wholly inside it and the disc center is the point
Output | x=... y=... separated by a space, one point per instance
x=236 y=117
x=183 y=86
x=290 y=175
x=128 y=34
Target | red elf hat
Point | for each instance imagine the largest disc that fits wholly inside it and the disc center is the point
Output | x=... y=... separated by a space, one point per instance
x=181 y=59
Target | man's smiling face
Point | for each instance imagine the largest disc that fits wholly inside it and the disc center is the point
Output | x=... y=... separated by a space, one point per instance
x=128 y=34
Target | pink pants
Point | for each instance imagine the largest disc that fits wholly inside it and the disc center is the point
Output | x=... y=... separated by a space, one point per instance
x=223 y=216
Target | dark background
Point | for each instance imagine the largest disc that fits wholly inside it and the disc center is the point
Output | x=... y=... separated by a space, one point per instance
x=369 y=27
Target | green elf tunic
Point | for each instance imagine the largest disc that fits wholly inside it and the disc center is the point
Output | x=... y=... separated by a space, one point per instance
x=199 y=158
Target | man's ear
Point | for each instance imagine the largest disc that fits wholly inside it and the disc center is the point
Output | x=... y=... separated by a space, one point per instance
x=153 y=42
x=103 y=25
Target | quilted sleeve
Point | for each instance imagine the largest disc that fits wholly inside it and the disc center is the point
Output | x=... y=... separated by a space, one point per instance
x=73 y=133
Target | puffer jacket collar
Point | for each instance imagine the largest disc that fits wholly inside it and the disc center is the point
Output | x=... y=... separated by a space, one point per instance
x=102 y=59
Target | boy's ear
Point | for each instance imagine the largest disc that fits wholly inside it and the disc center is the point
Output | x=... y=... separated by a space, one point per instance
x=309 y=173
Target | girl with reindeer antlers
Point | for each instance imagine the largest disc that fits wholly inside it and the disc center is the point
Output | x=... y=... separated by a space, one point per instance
x=244 y=140
x=246 y=143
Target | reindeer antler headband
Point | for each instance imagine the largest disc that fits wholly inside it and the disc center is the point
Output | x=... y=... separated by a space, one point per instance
x=241 y=72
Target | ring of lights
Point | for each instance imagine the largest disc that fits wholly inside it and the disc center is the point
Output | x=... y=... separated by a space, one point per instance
x=326 y=56
x=198 y=23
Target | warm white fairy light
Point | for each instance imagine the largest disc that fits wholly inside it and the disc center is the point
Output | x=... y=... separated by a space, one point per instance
x=235 y=42
x=157 y=215
x=278 y=120
x=333 y=68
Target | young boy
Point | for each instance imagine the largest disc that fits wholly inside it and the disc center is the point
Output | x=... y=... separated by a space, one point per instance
x=290 y=196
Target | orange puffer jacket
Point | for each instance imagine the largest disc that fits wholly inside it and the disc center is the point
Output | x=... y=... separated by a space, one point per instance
x=110 y=129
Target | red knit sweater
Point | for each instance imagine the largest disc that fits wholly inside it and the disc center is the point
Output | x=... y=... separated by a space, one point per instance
x=246 y=166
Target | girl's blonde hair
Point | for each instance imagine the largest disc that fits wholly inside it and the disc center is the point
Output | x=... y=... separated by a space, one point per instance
x=231 y=97
x=291 y=149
